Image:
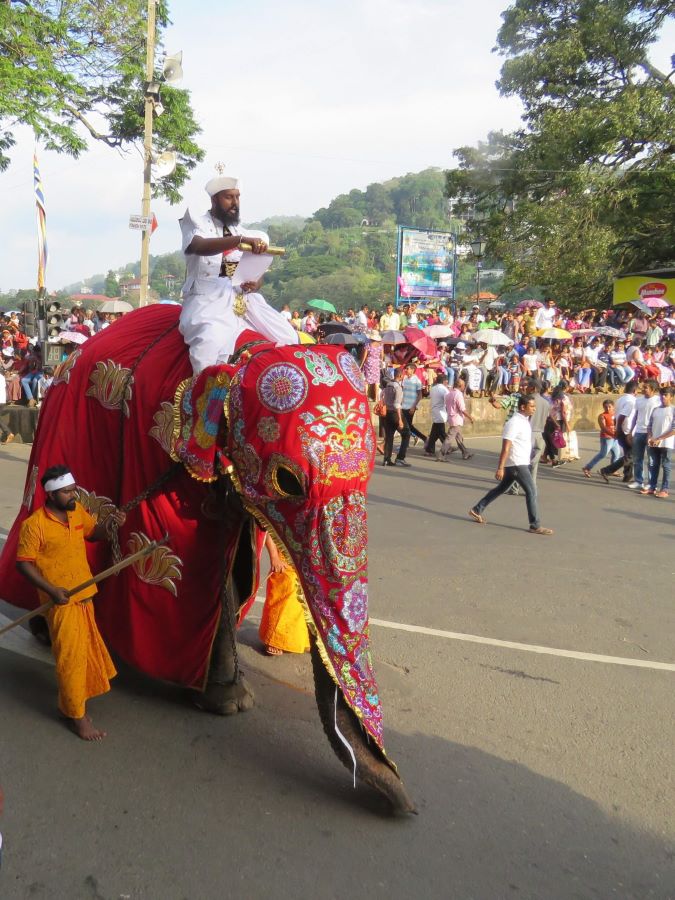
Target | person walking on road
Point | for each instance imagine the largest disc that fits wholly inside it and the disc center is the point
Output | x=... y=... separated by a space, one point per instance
x=392 y=396
x=456 y=410
x=412 y=394
x=514 y=465
x=624 y=413
x=439 y=414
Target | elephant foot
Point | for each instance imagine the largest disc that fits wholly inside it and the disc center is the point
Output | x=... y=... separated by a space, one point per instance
x=372 y=767
x=226 y=699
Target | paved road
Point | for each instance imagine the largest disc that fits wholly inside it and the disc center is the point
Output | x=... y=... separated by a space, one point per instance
x=536 y=775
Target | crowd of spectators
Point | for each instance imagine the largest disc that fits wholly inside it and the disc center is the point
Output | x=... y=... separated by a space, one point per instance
x=24 y=379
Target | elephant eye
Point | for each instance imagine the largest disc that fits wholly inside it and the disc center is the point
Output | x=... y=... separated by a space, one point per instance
x=287 y=482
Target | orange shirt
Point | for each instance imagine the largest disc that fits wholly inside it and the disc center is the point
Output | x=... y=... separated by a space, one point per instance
x=57 y=549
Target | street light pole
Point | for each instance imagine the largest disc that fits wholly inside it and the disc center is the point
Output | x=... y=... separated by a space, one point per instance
x=147 y=153
x=478 y=250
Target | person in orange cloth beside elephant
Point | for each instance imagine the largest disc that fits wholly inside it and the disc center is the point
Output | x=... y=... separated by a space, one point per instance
x=52 y=555
x=282 y=627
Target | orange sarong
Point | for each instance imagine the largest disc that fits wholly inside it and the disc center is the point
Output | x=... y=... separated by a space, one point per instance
x=283 y=620
x=57 y=549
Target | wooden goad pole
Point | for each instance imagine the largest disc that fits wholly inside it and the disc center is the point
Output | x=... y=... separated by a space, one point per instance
x=106 y=573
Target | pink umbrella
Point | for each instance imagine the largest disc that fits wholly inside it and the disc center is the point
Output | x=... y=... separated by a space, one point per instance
x=528 y=304
x=72 y=337
x=420 y=341
x=655 y=302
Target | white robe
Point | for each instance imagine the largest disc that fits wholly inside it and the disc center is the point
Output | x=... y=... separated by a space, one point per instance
x=208 y=320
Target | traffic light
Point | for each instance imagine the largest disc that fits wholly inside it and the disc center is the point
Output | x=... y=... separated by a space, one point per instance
x=55 y=319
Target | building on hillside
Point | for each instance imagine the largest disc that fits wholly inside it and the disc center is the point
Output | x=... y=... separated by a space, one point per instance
x=127 y=286
x=84 y=299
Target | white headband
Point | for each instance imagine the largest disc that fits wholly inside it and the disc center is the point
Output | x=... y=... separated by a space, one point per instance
x=55 y=484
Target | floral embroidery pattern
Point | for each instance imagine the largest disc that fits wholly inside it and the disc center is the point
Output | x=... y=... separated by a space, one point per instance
x=282 y=387
x=335 y=443
x=62 y=372
x=355 y=605
x=344 y=533
x=322 y=370
x=161 y=567
x=99 y=507
x=162 y=430
x=269 y=429
x=352 y=372
x=111 y=385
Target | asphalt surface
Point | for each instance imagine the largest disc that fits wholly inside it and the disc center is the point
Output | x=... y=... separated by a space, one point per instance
x=536 y=775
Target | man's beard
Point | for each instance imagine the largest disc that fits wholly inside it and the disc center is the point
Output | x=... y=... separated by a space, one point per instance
x=231 y=217
x=68 y=506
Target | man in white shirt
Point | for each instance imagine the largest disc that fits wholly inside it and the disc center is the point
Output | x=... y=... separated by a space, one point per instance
x=624 y=413
x=214 y=312
x=644 y=407
x=439 y=414
x=390 y=321
x=545 y=315
x=661 y=444
x=514 y=466
x=362 y=318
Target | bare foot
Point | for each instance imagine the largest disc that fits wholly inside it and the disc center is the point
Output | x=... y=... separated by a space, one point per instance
x=84 y=728
x=273 y=651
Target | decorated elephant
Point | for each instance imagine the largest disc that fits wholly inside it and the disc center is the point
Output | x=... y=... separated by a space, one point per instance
x=280 y=440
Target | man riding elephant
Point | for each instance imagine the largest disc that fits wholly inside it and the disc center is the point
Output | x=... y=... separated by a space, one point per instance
x=281 y=440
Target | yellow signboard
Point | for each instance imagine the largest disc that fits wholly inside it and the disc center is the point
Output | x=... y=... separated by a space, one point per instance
x=639 y=287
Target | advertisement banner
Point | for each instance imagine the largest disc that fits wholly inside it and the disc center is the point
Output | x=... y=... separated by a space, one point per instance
x=641 y=287
x=425 y=264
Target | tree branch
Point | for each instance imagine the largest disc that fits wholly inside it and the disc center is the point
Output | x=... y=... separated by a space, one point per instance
x=97 y=135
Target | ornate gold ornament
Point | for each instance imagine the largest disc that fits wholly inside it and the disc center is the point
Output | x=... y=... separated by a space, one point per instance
x=98 y=507
x=62 y=372
x=111 y=385
x=161 y=567
x=162 y=430
x=29 y=493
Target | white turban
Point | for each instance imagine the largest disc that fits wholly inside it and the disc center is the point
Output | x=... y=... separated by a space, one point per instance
x=221 y=183
x=61 y=481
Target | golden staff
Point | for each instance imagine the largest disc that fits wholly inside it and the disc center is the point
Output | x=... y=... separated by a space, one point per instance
x=273 y=251
x=106 y=573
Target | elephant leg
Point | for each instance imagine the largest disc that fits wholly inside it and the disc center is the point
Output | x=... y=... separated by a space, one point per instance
x=371 y=767
x=227 y=691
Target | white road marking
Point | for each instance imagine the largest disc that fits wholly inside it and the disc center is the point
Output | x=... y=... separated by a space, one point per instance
x=516 y=645
x=22 y=642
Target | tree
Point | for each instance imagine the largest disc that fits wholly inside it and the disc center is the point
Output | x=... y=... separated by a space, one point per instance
x=74 y=71
x=111 y=287
x=585 y=188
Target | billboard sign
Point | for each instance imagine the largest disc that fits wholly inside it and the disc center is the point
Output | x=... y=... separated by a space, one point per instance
x=643 y=287
x=426 y=261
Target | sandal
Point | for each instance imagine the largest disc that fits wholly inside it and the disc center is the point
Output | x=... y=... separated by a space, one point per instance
x=476 y=517
x=541 y=530
x=587 y=473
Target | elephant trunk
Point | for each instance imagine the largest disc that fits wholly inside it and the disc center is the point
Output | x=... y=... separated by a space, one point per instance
x=371 y=767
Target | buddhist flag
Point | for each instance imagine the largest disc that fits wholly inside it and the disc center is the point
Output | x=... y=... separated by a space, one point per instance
x=41 y=224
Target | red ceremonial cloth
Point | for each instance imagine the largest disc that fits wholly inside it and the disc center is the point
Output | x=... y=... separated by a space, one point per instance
x=164 y=619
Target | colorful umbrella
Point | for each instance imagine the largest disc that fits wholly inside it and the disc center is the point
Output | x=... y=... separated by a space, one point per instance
x=325 y=305
x=554 y=334
x=115 y=306
x=72 y=337
x=438 y=331
x=491 y=337
x=420 y=341
x=656 y=302
x=305 y=338
x=528 y=304
x=327 y=328
x=641 y=305
x=393 y=337
x=346 y=340
x=608 y=331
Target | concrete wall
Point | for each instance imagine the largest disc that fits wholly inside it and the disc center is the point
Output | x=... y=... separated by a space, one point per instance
x=587 y=408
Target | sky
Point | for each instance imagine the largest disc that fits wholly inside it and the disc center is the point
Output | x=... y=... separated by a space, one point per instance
x=302 y=100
